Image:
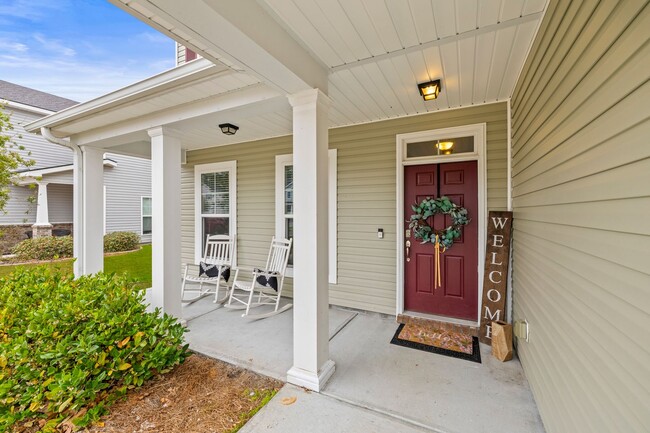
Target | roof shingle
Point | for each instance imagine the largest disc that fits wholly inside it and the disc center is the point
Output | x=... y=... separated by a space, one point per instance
x=34 y=98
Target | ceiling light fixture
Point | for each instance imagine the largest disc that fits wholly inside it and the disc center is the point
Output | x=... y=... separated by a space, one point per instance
x=430 y=90
x=228 y=128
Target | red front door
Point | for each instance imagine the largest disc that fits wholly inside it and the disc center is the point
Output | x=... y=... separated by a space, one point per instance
x=458 y=294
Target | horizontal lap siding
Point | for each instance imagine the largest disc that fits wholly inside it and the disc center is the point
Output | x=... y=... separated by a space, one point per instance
x=21 y=207
x=255 y=197
x=59 y=200
x=126 y=184
x=44 y=153
x=581 y=189
x=366 y=197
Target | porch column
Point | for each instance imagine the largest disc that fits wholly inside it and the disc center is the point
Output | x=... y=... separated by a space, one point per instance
x=92 y=211
x=42 y=227
x=166 y=221
x=311 y=364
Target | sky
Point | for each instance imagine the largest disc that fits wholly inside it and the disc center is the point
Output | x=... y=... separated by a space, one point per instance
x=78 y=49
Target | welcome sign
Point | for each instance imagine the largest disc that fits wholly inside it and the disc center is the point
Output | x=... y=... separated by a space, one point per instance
x=495 y=277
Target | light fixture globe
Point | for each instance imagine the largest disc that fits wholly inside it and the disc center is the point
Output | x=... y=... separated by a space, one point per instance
x=445 y=147
x=228 y=128
x=430 y=90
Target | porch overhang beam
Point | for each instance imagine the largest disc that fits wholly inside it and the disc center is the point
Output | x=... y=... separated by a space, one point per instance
x=237 y=32
x=250 y=95
x=182 y=75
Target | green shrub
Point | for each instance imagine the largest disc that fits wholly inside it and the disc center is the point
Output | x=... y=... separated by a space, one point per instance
x=68 y=348
x=120 y=241
x=45 y=248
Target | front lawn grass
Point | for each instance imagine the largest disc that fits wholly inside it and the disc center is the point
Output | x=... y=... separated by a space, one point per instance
x=136 y=264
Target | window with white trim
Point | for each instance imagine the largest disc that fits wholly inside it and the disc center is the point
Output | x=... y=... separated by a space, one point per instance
x=284 y=205
x=215 y=201
x=145 y=211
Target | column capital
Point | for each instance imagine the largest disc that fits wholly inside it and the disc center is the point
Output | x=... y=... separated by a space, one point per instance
x=309 y=97
x=164 y=131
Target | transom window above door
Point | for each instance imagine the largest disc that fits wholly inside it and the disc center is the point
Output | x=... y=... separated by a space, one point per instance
x=442 y=146
x=215 y=201
x=457 y=143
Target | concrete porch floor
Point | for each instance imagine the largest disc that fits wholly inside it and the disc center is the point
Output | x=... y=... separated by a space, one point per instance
x=375 y=383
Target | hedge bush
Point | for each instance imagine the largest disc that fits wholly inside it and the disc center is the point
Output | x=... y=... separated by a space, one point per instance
x=45 y=248
x=52 y=247
x=68 y=348
x=120 y=241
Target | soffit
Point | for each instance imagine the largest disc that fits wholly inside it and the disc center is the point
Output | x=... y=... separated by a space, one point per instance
x=377 y=52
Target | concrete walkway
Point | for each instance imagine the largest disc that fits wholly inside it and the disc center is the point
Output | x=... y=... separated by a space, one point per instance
x=377 y=386
x=317 y=413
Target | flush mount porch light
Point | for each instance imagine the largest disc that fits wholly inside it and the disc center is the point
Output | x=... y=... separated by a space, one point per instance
x=445 y=147
x=228 y=128
x=429 y=90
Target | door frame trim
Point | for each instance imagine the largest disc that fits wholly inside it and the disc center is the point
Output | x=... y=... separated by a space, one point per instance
x=479 y=131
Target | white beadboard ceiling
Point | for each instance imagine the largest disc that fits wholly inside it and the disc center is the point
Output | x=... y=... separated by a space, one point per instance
x=378 y=51
x=374 y=54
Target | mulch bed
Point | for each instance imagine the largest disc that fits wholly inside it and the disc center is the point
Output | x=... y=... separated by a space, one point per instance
x=202 y=395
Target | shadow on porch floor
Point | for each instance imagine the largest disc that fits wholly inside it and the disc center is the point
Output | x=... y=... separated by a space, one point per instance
x=425 y=390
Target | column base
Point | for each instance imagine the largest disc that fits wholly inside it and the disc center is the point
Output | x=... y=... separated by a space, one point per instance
x=41 y=230
x=310 y=380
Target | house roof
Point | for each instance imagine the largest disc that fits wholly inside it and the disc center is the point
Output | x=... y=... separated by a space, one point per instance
x=34 y=98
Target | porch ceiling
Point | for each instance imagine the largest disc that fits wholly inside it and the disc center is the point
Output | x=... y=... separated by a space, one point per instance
x=372 y=54
x=375 y=53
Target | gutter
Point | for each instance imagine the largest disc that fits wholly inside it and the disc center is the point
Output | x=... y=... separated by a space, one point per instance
x=78 y=168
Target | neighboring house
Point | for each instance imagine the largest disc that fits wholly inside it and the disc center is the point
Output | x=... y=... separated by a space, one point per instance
x=43 y=199
x=550 y=101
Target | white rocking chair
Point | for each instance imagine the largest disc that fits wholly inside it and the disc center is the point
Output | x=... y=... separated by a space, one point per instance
x=213 y=270
x=266 y=284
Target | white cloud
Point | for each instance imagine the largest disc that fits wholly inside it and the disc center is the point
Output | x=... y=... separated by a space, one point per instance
x=13 y=46
x=54 y=45
x=71 y=78
x=30 y=9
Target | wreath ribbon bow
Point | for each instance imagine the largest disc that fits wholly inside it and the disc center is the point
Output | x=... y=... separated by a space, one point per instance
x=444 y=239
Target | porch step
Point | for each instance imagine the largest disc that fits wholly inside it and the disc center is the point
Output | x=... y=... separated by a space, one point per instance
x=437 y=324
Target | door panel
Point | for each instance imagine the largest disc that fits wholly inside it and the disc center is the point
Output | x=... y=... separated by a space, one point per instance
x=458 y=296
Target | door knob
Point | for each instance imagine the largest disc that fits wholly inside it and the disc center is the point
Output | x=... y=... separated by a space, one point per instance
x=408 y=249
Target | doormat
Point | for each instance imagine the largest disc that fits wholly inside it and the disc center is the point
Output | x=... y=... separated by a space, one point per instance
x=440 y=341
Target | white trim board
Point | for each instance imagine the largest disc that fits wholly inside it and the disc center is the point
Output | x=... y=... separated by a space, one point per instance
x=280 y=162
x=231 y=168
x=478 y=131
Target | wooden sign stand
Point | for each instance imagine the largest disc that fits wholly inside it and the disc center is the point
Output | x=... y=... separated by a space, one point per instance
x=495 y=277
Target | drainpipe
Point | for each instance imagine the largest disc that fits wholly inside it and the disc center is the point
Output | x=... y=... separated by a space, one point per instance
x=77 y=196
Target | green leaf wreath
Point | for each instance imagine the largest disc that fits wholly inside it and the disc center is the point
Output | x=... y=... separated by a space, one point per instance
x=430 y=207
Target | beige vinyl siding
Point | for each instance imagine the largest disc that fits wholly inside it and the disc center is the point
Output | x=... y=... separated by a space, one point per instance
x=255 y=197
x=366 y=197
x=581 y=189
